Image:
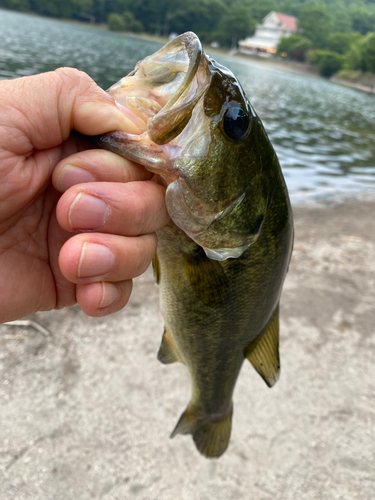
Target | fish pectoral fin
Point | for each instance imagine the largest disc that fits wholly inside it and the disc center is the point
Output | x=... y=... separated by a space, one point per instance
x=167 y=352
x=263 y=352
x=207 y=279
x=156 y=269
x=211 y=436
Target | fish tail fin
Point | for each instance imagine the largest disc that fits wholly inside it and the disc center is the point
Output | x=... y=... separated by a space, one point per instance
x=211 y=436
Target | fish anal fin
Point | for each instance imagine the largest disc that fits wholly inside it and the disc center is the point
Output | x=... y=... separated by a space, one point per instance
x=167 y=352
x=263 y=352
x=211 y=436
x=156 y=269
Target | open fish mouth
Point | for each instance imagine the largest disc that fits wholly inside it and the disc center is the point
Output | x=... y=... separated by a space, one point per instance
x=160 y=94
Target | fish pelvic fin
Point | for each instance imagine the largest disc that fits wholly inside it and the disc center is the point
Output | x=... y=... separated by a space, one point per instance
x=263 y=352
x=211 y=435
x=167 y=352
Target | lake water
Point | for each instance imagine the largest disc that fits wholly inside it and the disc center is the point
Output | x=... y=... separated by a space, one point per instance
x=324 y=134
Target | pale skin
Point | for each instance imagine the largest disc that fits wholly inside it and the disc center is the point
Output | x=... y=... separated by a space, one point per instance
x=76 y=224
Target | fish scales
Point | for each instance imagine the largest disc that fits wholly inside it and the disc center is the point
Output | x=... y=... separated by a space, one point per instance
x=222 y=260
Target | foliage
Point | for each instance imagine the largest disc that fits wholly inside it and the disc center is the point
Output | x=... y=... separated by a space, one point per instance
x=328 y=62
x=353 y=58
x=235 y=25
x=116 y=22
x=131 y=23
x=203 y=15
x=363 y=17
x=341 y=42
x=258 y=10
x=295 y=47
x=316 y=23
x=368 y=53
x=21 y=5
x=124 y=22
x=340 y=16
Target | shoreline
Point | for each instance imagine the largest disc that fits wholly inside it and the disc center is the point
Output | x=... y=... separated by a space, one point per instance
x=353 y=85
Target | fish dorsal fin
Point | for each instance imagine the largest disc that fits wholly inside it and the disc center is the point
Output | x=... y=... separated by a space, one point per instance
x=263 y=352
x=207 y=279
x=211 y=437
x=156 y=269
x=167 y=352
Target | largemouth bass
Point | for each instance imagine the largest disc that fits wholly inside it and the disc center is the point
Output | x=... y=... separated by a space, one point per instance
x=222 y=260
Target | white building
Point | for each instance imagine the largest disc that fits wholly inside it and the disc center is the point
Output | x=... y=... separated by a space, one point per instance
x=267 y=36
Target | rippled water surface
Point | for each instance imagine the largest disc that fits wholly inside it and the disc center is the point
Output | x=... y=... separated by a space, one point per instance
x=324 y=134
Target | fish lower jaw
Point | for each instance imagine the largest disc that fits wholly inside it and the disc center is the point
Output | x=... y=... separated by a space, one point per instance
x=225 y=253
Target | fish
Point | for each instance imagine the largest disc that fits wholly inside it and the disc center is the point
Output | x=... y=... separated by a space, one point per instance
x=222 y=259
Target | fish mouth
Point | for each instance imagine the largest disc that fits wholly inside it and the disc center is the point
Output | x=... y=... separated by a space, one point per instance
x=159 y=96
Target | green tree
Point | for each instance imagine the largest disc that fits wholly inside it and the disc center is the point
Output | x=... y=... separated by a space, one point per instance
x=116 y=22
x=55 y=8
x=341 y=42
x=340 y=16
x=295 y=47
x=131 y=23
x=201 y=16
x=155 y=14
x=236 y=24
x=101 y=8
x=316 y=23
x=328 y=62
x=15 y=4
x=290 y=7
x=258 y=10
x=353 y=58
x=362 y=17
x=83 y=6
x=368 y=53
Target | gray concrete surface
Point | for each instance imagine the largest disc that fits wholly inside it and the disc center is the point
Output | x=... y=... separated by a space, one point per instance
x=87 y=414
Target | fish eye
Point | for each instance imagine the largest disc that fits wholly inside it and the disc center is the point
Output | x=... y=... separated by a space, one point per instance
x=236 y=123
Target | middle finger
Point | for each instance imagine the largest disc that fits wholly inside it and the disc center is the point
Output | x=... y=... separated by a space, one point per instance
x=127 y=209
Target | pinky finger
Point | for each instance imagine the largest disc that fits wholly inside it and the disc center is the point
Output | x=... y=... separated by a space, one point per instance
x=103 y=298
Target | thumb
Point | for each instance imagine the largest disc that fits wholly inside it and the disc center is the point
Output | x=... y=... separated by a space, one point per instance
x=48 y=106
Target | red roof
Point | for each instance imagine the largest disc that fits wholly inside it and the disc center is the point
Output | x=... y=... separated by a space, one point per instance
x=290 y=22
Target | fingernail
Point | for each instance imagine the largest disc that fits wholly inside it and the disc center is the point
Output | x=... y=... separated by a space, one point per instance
x=95 y=260
x=71 y=175
x=87 y=212
x=110 y=294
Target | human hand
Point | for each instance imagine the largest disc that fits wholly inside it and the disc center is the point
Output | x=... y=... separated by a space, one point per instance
x=110 y=202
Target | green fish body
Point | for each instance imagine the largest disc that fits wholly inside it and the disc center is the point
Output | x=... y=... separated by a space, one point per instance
x=222 y=260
